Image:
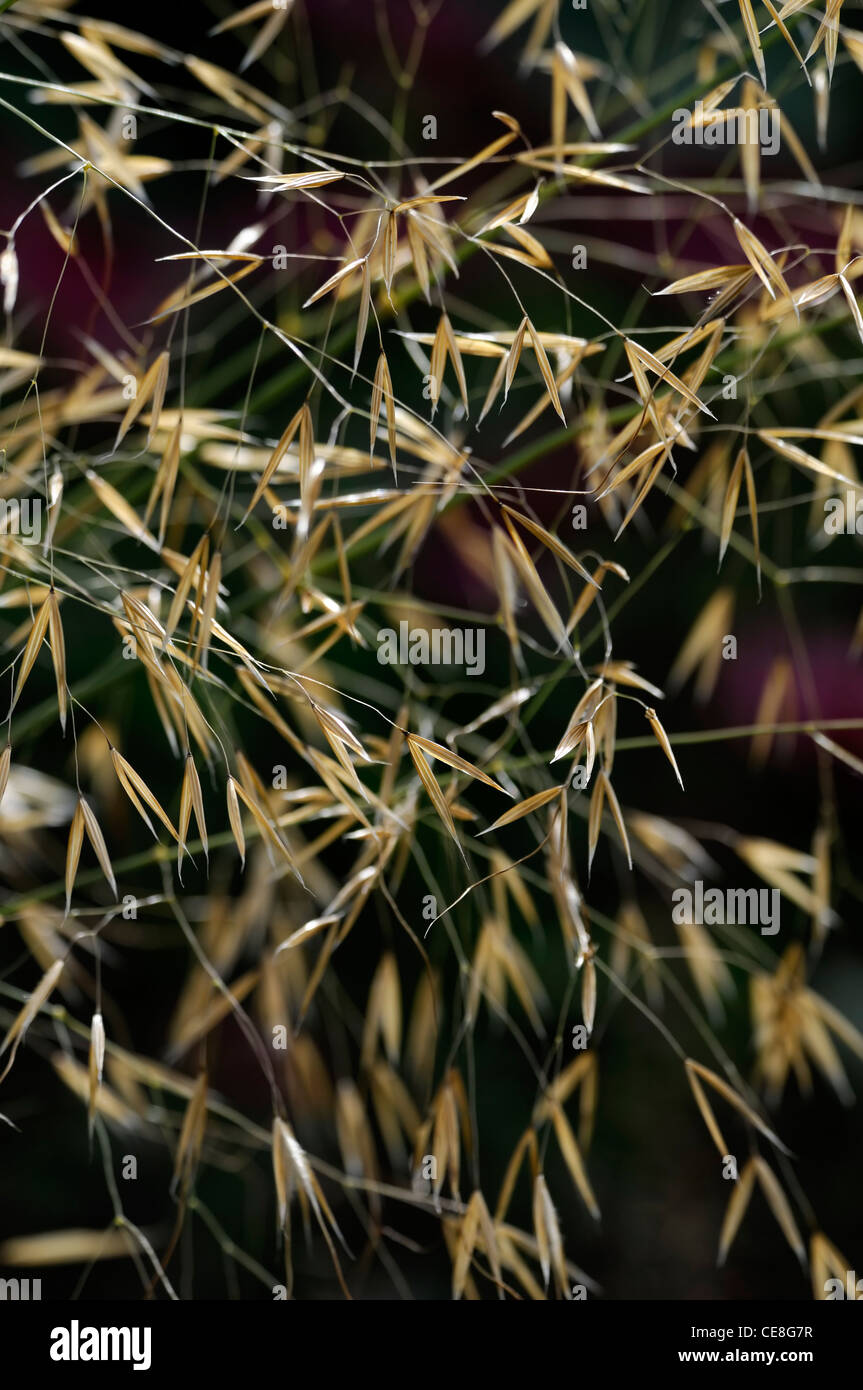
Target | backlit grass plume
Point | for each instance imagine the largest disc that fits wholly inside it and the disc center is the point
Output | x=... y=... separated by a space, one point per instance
x=418 y=533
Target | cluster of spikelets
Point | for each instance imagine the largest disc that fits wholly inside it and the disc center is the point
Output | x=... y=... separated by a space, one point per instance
x=190 y=486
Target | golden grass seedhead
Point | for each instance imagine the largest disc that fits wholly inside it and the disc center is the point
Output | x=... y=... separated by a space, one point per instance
x=408 y=411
